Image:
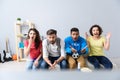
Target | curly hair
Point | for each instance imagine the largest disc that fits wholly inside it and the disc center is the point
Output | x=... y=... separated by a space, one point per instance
x=99 y=28
x=37 y=39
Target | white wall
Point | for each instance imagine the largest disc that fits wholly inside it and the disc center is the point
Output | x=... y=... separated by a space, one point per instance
x=62 y=15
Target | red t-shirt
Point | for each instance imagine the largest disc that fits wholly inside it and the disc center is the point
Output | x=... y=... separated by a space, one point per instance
x=34 y=53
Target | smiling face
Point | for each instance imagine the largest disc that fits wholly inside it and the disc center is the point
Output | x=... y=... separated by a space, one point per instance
x=95 y=31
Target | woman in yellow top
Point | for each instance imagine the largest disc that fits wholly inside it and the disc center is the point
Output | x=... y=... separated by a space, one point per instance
x=96 y=44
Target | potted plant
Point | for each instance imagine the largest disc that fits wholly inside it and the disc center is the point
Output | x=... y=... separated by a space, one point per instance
x=18 y=21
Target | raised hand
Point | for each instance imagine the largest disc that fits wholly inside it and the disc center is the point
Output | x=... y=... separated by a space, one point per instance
x=30 y=40
x=108 y=35
x=86 y=35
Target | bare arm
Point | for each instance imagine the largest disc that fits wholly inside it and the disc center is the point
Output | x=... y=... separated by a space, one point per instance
x=40 y=55
x=107 y=42
x=86 y=35
x=37 y=60
x=48 y=61
x=45 y=53
x=27 y=49
x=63 y=55
x=60 y=59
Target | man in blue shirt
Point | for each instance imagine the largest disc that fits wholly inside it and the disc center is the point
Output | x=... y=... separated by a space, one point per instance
x=75 y=47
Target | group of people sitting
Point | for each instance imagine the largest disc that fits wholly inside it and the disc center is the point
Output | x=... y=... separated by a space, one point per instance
x=67 y=54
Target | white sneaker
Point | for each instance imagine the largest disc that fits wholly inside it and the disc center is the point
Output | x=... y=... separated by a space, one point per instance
x=85 y=69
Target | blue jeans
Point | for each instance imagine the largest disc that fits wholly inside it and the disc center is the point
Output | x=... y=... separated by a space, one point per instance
x=30 y=66
x=63 y=63
x=97 y=60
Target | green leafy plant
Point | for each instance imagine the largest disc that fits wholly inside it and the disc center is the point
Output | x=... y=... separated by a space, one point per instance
x=19 y=19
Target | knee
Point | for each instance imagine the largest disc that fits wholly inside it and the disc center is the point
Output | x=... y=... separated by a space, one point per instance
x=64 y=64
x=29 y=65
x=72 y=65
x=97 y=65
x=43 y=65
x=109 y=66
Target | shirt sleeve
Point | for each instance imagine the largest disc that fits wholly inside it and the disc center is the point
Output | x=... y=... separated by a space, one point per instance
x=62 y=49
x=45 y=52
x=67 y=47
x=103 y=39
x=84 y=46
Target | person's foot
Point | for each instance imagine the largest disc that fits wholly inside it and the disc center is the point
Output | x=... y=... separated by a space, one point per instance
x=2 y=61
x=85 y=69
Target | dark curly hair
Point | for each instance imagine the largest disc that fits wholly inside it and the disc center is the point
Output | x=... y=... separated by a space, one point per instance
x=99 y=28
x=37 y=39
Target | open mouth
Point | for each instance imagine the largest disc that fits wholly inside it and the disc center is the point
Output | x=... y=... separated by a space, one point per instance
x=75 y=39
x=96 y=34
